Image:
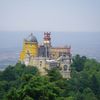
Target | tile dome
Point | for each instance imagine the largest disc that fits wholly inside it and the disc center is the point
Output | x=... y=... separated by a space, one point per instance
x=31 y=38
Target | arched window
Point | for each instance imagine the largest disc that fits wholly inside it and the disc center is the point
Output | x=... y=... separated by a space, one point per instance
x=65 y=67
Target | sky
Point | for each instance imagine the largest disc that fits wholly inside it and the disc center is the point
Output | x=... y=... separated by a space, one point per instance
x=50 y=15
x=83 y=43
x=71 y=22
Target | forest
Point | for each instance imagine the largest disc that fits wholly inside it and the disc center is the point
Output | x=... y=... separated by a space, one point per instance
x=25 y=83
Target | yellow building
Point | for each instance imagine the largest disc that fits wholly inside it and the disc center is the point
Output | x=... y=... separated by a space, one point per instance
x=30 y=47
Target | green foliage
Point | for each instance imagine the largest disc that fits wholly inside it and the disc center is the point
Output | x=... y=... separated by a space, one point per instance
x=28 y=98
x=38 y=88
x=78 y=62
x=86 y=78
x=24 y=83
x=8 y=74
x=88 y=94
x=13 y=76
x=95 y=86
x=54 y=74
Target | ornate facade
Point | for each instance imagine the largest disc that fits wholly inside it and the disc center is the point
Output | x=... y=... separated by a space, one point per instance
x=46 y=56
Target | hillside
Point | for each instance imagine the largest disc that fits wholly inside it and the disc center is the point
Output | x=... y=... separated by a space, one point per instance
x=25 y=83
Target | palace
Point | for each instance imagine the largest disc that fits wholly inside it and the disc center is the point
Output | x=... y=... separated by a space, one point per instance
x=46 y=56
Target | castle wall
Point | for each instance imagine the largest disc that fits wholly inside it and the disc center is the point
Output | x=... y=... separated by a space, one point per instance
x=57 y=52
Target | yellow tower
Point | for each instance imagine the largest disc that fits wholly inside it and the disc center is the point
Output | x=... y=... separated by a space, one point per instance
x=30 y=47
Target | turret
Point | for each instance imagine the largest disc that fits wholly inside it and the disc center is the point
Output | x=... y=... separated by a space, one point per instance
x=30 y=46
x=47 y=43
x=47 y=38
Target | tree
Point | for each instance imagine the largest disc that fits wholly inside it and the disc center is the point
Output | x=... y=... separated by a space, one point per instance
x=54 y=74
x=95 y=86
x=88 y=94
x=9 y=74
x=38 y=88
x=78 y=62
x=28 y=98
x=27 y=84
x=12 y=94
x=79 y=96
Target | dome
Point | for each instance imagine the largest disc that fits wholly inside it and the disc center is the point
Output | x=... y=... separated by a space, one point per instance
x=31 y=38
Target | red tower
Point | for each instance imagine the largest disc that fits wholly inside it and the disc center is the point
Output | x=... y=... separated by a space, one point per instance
x=47 y=38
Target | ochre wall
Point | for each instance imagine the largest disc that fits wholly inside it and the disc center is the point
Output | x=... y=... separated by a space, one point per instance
x=29 y=47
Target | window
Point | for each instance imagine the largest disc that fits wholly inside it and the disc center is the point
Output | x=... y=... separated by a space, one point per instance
x=65 y=67
x=40 y=63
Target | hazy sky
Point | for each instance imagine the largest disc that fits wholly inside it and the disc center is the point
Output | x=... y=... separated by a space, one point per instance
x=50 y=15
